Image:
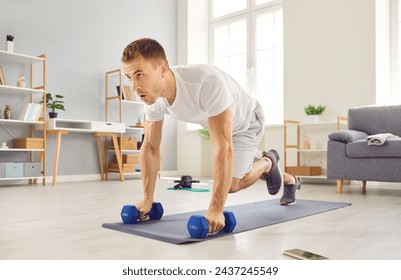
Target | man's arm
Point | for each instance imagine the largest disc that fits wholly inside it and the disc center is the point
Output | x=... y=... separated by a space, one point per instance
x=220 y=128
x=150 y=163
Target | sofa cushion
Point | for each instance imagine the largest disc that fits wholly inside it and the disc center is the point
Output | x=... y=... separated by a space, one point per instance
x=347 y=136
x=375 y=119
x=360 y=149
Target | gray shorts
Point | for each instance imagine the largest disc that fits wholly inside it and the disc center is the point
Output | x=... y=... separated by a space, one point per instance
x=246 y=143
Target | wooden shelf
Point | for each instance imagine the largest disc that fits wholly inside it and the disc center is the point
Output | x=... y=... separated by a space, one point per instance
x=19 y=90
x=116 y=105
x=21 y=150
x=12 y=60
x=297 y=148
x=116 y=100
x=125 y=173
x=20 y=122
x=312 y=177
x=307 y=150
x=7 y=57
x=312 y=124
x=127 y=151
x=134 y=128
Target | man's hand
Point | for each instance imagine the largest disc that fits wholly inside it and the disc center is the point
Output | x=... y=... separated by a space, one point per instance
x=144 y=208
x=216 y=220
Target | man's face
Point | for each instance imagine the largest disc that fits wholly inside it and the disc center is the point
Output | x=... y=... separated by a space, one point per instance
x=147 y=78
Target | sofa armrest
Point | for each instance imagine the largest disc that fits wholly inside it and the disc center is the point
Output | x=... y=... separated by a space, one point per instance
x=347 y=136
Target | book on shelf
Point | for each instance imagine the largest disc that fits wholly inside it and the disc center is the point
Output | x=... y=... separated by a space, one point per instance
x=118 y=92
x=2 y=80
x=127 y=93
x=31 y=112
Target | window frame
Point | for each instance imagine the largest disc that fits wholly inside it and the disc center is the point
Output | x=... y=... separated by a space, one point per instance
x=395 y=62
x=250 y=14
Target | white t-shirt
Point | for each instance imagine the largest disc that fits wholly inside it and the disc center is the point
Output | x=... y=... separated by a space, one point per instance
x=204 y=91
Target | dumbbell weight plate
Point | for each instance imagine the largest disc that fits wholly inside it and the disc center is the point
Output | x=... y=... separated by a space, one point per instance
x=156 y=213
x=198 y=226
x=129 y=214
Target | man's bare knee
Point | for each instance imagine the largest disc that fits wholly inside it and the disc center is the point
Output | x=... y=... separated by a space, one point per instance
x=234 y=185
x=233 y=189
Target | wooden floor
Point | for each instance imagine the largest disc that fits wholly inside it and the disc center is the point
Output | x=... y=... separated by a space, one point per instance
x=64 y=222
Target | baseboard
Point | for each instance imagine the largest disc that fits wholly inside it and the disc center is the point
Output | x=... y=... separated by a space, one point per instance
x=73 y=178
x=169 y=173
x=96 y=177
x=85 y=177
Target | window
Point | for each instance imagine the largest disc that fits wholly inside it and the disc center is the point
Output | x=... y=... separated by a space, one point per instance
x=246 y=41
x=395 y=9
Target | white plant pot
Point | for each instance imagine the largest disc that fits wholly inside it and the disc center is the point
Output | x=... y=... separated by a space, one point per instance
x=314 y=118
x=10 y=46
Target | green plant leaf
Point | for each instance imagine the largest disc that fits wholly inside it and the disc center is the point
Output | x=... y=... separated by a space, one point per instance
x=314 y=110
x=204 y=133
x=53 y=102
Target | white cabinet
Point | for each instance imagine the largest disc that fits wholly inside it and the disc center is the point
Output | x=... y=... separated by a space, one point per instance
x=13 y=65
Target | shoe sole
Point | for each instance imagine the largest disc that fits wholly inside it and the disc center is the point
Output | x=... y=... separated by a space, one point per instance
x=285 y=203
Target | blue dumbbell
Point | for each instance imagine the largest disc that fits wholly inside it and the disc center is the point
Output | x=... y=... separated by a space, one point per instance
x=130 y=215
x=198 y=227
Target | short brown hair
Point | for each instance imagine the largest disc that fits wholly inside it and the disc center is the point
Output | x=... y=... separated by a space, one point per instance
x=145 y=47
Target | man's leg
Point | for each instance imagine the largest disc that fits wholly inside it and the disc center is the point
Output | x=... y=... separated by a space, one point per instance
x=259 y=167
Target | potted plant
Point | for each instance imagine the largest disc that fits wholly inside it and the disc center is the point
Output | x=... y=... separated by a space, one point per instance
x=204 y=133
x=54 y=103
x=314 y=111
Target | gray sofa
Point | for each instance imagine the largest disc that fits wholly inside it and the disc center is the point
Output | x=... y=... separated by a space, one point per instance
x=350 y=157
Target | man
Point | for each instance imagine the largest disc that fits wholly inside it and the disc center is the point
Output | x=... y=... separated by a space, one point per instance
x=205 y=95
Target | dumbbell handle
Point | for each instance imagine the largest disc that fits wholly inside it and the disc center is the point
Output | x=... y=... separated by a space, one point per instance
x=192 y=181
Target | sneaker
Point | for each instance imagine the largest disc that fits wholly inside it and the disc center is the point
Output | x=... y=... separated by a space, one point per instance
x=274 y=178
x=288 y=197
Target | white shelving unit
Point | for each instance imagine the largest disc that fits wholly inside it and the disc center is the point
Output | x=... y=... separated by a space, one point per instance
x=317 y=151
x=121 y=108
x=9 y=62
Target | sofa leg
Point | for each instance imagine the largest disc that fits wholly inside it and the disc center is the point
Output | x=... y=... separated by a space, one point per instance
x=364 y=185
x=339 y=185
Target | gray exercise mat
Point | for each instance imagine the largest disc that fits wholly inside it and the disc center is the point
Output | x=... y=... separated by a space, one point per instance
x=173 y=228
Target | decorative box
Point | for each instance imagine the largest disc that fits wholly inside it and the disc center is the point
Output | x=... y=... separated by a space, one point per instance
x=304 y=170
x=131 y=159
x=113 y=167
x=2 y=167
x=14 y=169
x=128 y=143
x=28 y=143
x=32 y=169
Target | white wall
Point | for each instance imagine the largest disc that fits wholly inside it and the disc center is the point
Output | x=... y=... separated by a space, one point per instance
x=335 y=52
x=330 y=58
x=83 y=40
x=193 y=153
x=329 y=53
x=383 y=46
